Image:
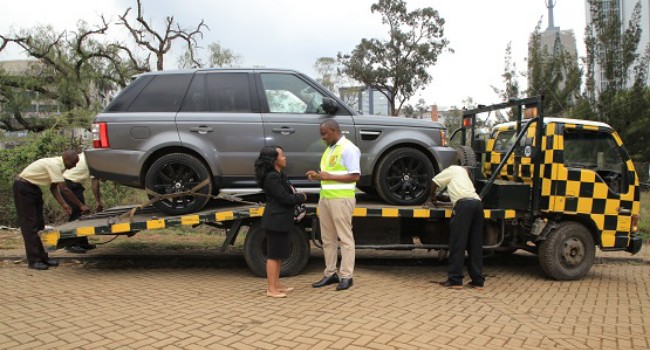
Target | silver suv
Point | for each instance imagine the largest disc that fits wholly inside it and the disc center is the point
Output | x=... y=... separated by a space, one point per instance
x=170 y=131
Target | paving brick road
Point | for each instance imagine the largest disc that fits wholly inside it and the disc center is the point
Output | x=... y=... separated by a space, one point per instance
x=102 y=304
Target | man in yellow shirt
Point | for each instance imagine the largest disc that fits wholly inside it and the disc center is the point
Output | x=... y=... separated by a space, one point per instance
x=28 y=199
x=339 y=172
x=466 y=227
x=74 y=180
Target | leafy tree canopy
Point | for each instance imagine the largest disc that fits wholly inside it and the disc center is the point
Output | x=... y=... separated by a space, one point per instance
x=397 y=67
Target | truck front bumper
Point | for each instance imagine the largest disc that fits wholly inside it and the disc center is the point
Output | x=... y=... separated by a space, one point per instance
x=635 y=245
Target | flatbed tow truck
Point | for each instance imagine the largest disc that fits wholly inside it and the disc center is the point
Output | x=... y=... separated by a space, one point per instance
x=555 y=187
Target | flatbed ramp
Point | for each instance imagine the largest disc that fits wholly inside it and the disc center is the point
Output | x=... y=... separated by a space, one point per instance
x=226 y=212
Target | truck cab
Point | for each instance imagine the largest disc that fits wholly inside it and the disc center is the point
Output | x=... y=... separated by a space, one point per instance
x=576 y=186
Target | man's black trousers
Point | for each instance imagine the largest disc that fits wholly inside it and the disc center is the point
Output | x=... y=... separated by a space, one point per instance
x=466 y=228
x=28 y=199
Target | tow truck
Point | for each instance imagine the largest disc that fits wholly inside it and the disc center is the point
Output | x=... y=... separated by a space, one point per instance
x=555 y=187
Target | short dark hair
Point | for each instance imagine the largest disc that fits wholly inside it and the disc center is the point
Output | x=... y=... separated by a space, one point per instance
x=331 y=124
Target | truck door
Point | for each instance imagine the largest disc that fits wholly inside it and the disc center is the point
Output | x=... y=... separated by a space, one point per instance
x=291 y=118
x=595 y=180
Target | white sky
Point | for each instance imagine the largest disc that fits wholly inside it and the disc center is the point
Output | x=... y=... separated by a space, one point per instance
x=295 y=33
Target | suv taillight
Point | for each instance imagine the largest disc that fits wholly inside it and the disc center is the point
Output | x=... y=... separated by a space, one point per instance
x=100 y=135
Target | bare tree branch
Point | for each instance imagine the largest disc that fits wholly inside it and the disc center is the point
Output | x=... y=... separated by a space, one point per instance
x=160 y=43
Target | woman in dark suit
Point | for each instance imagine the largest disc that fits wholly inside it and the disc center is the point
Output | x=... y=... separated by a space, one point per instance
x=278 y=214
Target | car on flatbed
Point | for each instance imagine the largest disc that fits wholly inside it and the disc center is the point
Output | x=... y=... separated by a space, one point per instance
x=174 y=131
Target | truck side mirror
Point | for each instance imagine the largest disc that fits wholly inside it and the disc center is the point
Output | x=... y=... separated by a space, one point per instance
x=329 y=105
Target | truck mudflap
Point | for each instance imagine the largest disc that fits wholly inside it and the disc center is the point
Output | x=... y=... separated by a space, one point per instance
x=635 y=245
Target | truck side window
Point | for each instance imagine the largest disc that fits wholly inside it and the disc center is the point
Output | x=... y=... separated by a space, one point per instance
x=504 y=140
x=287 y=93
x=596 y=151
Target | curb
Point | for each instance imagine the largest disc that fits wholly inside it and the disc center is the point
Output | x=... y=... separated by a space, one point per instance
x=236 y=259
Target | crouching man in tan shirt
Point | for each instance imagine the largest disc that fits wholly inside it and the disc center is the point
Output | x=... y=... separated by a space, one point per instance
x=28 y=199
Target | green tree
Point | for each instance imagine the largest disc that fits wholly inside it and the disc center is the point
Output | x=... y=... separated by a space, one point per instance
x=419 y=111
x=218 y=56
x=397 y=67
x=617 y=101
x=327 y=71
x=72 y=72
x=510 y=78
x=612 y=47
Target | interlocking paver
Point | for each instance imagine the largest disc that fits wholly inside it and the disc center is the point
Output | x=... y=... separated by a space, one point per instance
x=389 y=307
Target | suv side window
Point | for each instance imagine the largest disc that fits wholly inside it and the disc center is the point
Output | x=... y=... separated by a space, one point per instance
x=195 y=97
x=228 y=92
x=287 y=93
x=163 y=94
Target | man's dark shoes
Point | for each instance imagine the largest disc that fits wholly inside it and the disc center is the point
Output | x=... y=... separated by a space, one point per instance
x=51 y=262
x=326 y=280
x=471 y=285
x=449 y=284
x=39 y=266
x=75 y=249
x=345 y=283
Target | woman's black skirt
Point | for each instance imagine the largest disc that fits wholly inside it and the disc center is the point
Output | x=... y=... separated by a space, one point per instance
x=278 y=244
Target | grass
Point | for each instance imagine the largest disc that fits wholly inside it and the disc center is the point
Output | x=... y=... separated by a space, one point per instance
x=201 y=237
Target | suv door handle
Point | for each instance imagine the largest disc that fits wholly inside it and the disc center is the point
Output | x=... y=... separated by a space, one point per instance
x=285 y=130
x=201 y=129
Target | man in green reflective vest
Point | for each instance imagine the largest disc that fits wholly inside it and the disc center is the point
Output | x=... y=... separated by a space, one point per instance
x=339 y=173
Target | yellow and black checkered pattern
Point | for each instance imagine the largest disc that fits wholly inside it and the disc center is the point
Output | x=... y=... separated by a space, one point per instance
x=493 y=159
x=51 y=238
x=578 y=192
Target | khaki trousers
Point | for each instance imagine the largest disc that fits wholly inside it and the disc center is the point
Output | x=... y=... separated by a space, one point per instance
x=335 y=215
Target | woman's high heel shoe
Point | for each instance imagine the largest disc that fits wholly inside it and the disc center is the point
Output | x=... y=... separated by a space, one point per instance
x=279 y=295
x=286 y=289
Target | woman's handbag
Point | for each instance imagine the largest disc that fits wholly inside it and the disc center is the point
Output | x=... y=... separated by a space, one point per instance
x=299 y=210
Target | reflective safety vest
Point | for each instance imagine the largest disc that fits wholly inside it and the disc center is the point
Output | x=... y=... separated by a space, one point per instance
x=331 y=163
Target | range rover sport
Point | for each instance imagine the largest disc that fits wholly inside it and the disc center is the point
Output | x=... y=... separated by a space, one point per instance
x=169 y=131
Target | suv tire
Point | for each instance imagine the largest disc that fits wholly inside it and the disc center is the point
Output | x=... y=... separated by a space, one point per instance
x=403 y=177
x=174 y=173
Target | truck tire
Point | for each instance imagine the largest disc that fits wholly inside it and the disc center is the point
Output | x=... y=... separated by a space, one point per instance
x=568 y=252
x=466 y=156
x=174 y=173
x=403 y=177
x=255 y=251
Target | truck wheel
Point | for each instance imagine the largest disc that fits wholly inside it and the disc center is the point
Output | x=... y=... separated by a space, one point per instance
x=174 y=173
x=568 y=252
x=404 y=176
x=255 y=251
x=466 y=156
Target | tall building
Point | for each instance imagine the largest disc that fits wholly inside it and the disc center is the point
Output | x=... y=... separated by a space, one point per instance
x=624 y=10
x=555 y=40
